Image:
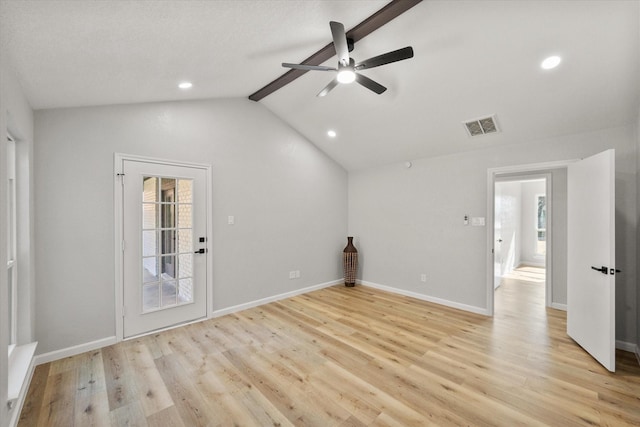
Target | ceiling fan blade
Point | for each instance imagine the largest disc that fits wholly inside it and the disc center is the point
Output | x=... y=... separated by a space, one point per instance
x=340 y=42
x=308 y=67
x=386 y=58
x=333 y=83
x=370 y=84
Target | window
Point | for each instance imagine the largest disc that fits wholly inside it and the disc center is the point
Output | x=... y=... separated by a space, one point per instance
x=20 y=352
x=541 y=224
x=12 y=263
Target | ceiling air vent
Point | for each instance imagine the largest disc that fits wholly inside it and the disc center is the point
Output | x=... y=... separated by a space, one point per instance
x=481 y=126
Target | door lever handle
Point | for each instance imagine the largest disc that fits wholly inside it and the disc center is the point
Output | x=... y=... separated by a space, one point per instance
x=201 y=251
x=603 y=269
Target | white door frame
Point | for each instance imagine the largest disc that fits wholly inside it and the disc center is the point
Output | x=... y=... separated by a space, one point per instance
x=118 y=214
x=493 y=175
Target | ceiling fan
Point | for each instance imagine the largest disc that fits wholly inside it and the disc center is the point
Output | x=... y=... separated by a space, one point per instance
x=348 y=68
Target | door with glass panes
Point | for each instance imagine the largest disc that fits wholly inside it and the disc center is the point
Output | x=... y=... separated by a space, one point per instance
x=165 y=245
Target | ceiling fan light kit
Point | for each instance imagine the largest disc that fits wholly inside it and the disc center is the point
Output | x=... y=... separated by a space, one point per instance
x=348 y=69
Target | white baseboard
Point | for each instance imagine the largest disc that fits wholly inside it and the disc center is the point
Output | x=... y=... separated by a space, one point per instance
x=559 y=306
x=72 y=351
x=256 y=303
x=423 y=297
x=626 y=346
x=104 y=342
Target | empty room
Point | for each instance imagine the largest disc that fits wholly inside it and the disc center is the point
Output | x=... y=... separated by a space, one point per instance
x=319 y=212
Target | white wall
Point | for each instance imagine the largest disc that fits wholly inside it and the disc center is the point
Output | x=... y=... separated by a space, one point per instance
x=288 y=198
x=16 y=116
x=528 y=255
x=409 y=221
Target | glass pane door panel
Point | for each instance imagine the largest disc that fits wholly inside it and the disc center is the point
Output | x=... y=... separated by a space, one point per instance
x=185 y=290
x=167 y=215
x=168 y=190
x=149 y=243
x=168 y=267
x=149 y=216
x=186 y=263
x=184 y=216
x=168 y=242
x=149 y=269
x=169 y=293
x=184 y=190
x=185 y=241
x=150 y=189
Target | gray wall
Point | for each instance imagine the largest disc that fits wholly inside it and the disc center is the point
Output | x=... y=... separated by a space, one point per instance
x=559 y=236
x=288 y=198
x=410 y=221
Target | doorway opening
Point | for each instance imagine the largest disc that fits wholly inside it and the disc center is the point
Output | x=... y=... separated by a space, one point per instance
x=580 y=240
x=521 y=231
x=554 y=245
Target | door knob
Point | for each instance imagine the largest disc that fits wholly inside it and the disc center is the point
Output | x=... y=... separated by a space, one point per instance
x=499 y=240
x=603 y=269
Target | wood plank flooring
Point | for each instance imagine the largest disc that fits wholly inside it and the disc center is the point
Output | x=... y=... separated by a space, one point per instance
x=346 y=357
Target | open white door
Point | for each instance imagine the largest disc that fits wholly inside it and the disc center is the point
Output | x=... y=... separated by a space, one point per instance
x=591 y=256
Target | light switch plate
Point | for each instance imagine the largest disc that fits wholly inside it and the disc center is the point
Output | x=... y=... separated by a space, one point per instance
x=477 y=221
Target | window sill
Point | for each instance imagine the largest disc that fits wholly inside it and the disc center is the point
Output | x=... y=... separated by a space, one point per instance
x=20 y=362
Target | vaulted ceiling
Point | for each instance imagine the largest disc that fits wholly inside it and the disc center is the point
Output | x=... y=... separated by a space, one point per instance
x=472 y=59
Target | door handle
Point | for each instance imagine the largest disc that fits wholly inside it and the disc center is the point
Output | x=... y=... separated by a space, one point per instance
x=605 y=270
x=201 y=251
x=499 y=240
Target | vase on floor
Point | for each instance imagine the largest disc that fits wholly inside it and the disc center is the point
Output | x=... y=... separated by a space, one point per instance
x=350 y=261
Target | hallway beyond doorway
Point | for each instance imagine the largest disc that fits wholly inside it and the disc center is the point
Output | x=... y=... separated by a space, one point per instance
x=521 y=293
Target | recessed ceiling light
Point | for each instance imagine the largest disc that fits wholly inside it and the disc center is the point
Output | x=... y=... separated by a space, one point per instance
x=551 y=62
x=331 y=133
x=185 y=85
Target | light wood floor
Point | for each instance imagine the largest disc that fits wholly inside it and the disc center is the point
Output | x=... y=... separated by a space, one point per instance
x=345 y=357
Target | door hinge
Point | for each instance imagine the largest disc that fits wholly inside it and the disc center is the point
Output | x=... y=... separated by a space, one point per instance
x=124 y=311
x=122 y=246
x=121 y=175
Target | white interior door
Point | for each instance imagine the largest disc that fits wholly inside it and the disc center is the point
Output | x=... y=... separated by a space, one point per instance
x=591 y=256
x=165 y=241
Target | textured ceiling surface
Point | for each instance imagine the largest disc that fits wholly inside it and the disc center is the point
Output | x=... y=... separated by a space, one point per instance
x=472 y=59
x=87 y=52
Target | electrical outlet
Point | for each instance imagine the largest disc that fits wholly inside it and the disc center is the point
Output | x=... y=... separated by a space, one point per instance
x=292 y=275
x=423 y=277
x=231 y=220
x=297 y=274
